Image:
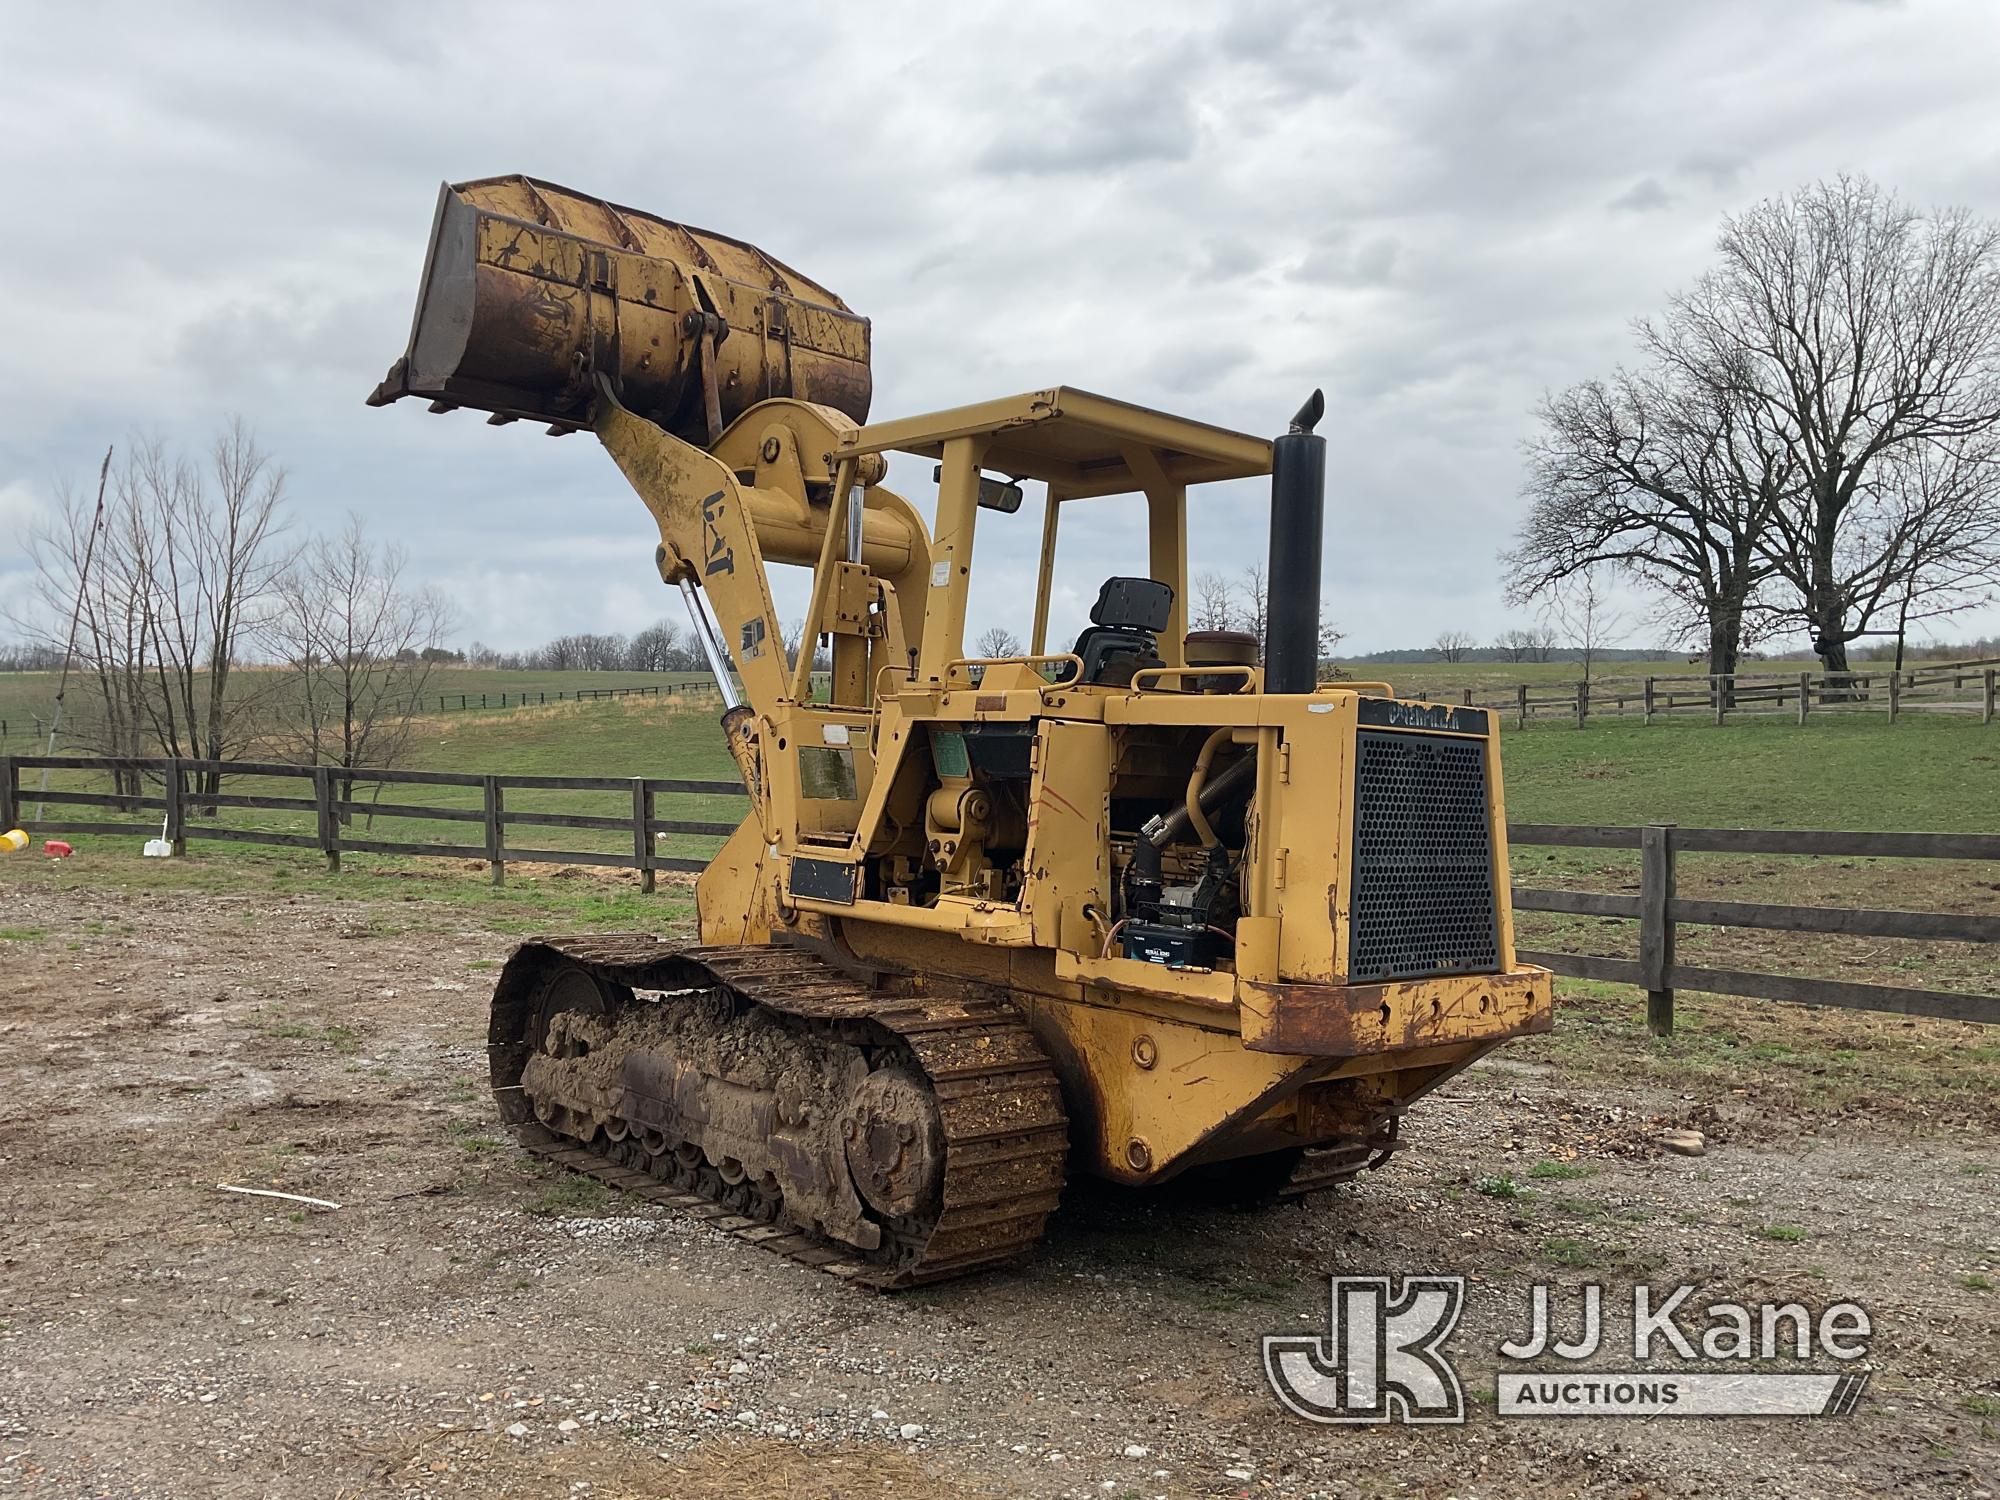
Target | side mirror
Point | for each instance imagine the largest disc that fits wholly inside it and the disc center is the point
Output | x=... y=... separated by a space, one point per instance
x=1003 y=495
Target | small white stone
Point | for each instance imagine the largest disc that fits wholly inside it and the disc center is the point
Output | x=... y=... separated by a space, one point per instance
x=206 y=1397
x=878 y=1415
x=1137 y=1450
x=1239 y=1473
x=910 y=1430
x=738 y=1367
x=747 y=1418
x=517 y=1429
x=567 y=1425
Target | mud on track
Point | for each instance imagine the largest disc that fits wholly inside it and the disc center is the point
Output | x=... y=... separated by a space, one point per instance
x=470 y=1324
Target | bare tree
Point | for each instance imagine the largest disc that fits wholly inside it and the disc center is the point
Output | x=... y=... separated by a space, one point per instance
x=1582 y=614
x=1541 y=642
x=1214 y=604
x=215 y=566
x=1451 y=645
x=999 y=641
x=582 y=651
x=1862 y=341
x=91 y=584
x=355 y=635
x=1330 y=635
x=1515 y=645
x=166 y=595
x=794 y=635
x=1254 y=613
x=1669 y=479
x=654 y=649
x=30 y=656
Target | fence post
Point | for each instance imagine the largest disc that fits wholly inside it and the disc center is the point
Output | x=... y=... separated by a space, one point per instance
x=1582 y=702
x=1805 y=694
x=1646 y=718
x=1522 y=692
x=642 y=838
x=496 y=867
x=175 y=822
x=1895 y=695
x=1656 y=928
x=10 y=779
x=329 y=825
x=1986 y=697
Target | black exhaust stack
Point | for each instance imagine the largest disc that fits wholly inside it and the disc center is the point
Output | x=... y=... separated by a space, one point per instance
x=1298 y=506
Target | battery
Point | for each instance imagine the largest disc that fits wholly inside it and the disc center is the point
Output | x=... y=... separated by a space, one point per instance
x=1175 y=947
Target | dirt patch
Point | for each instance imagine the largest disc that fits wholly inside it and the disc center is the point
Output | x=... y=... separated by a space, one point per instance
x=469 y=1323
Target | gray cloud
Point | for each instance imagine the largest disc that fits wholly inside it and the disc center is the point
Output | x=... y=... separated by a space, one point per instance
x=1719 y=169
x=1212 y=209
x=1341 y=262
x=1088 y=119
x=1642 y=197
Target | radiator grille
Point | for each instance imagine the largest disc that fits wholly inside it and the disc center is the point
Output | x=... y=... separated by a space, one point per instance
x=1423 y=859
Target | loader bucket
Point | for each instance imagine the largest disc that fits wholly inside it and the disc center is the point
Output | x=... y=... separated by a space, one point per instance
x=531 y=291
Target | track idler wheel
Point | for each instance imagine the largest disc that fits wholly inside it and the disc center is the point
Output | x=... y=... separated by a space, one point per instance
x=895 y=1143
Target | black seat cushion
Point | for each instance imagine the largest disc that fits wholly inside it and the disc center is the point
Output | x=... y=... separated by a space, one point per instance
x=1124 y=622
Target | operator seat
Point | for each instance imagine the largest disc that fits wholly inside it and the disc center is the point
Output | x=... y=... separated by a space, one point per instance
x=1124 y=626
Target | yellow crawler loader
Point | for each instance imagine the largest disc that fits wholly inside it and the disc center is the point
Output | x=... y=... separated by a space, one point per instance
x=1145 y=902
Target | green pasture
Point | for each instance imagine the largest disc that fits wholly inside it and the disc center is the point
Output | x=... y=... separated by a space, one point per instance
x=24 y=696
x=1925 y=772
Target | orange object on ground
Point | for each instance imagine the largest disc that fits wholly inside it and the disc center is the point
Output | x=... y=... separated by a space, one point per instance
x=57 y=849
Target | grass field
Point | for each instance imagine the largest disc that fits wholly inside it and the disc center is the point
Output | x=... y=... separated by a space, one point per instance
x=1490 y=678
x=23 y=695
x=26 y=696
x=1845 y=773
x=1923 y=773
x=1855 y=773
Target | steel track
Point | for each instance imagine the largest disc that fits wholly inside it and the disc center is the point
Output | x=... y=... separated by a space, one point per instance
x=999 y=1102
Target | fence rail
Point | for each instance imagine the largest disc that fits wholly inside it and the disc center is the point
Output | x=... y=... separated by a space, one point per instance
x=1964 y=687
x=1658 y=908
x=333 y=805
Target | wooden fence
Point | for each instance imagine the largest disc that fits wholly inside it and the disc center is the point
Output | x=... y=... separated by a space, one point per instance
x=1657 y=908
x=334 y=807
x=1966 y=687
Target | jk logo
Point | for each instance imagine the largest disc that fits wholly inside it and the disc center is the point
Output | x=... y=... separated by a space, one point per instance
x=1380 y=1360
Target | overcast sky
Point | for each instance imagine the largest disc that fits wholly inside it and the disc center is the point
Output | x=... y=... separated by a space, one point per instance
x=1436 y=211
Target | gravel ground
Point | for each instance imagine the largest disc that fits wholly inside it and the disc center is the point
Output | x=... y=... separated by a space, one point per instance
x=469 y=1323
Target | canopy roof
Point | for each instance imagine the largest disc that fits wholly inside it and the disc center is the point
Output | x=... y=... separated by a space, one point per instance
x=1078 y=442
